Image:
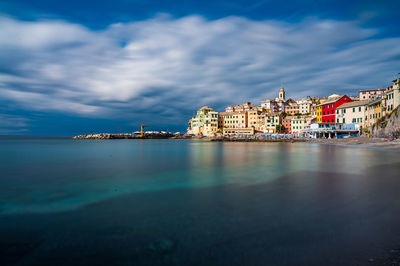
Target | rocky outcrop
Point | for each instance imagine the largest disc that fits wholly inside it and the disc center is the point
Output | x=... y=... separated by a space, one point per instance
x=388 y=126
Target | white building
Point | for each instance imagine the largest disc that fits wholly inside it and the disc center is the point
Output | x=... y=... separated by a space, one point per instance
x=352 y=113
x=304 y=106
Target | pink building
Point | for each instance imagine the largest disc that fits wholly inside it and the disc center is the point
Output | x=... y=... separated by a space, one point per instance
x=370 y=94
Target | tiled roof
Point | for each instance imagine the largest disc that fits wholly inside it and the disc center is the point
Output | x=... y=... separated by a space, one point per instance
x=354 y=104
x=331 y=100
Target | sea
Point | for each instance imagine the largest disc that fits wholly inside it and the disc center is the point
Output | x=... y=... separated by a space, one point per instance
x=196 y=202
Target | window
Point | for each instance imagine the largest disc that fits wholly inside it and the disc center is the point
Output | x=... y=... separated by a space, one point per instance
x=354 y=109
x=344 y=120
x=359 y=109
x=337 y=120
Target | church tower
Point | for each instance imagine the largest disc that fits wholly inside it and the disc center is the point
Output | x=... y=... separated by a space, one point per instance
x=282 y=94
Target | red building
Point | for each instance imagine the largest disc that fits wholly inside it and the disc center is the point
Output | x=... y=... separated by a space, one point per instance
x=292 y=109
x=328 y=108
x=287 y=123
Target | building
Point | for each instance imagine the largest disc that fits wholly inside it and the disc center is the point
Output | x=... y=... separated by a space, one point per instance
x=275 y=105
x=304 y=106
x=370 y=94
x=204 y=123
x=326 y=112
x=253 y=117
x=298 y=124
x=291 y=107
x=238 y=131
x=233 y=120
x=282 y=94
x=287 y=123
x=393 y=97
x=271 y=122
x=352 y=112
x=241 y=108
x=374 y=112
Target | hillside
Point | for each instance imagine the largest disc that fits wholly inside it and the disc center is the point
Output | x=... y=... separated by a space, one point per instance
x=388 y=126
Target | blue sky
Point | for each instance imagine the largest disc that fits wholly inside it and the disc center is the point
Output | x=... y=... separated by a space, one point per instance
x=71 y=67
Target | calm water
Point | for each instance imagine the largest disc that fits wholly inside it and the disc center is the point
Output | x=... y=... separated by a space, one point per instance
x=179 y=202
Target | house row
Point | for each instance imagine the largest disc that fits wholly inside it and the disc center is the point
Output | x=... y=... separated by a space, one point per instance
x=281 y=115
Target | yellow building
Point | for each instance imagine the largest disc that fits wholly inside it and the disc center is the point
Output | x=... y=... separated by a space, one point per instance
x=374 y=112
x=233 y=120
x=253 y=117
x=256 y=119
x=319 y=114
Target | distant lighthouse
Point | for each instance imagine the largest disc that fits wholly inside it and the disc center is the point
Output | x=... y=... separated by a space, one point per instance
x=282 y=94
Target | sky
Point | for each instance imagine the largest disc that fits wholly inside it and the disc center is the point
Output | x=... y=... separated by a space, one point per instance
x=77 y=67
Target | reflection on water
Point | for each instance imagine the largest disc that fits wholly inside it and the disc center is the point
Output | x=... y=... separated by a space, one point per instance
x=170 y=202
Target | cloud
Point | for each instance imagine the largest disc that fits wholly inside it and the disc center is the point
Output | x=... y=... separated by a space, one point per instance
x=163 y=68
x=13 y=124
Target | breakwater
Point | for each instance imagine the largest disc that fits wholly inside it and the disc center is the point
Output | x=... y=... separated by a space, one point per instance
x=135 y=135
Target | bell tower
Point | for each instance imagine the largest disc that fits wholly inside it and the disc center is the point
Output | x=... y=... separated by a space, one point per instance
x=282 y=94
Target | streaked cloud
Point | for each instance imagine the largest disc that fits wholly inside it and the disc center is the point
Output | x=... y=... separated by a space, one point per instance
x=163 y=68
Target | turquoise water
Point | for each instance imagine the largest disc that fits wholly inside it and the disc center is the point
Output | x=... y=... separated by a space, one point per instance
x=182 y=202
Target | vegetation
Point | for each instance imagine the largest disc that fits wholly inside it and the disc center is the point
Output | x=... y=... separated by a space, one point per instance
x=280 y=128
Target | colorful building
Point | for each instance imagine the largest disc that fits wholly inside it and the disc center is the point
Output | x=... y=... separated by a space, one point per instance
x=352 y=113
x=299 y=123
x=204 y=123
x=277 y=104
x=392 y=96
x=271 y=122
x=370 y=94
x=292 y=108
x=287 y=123
x=326 y=112
x=374 y=112
x=241 y=108
x=304 y=106
x=233 y=120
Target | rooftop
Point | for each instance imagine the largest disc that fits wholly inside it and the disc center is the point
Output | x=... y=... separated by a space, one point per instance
x=354 y=104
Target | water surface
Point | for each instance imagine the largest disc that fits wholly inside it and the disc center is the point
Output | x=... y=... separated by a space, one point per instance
x=180 y=202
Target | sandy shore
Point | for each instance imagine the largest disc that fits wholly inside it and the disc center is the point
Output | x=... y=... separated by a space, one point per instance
x=362 y=142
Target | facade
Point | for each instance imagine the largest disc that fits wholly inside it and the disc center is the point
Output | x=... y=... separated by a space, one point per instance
x=304 y=106
x=298 y=124
x=326 y=112
x=282 y=94
x=232 y=120
x=292 y=107
x=374 y=112
x=370 y=94
x=287 y=123
x=271 y=122
x=241 y=108
x=275 y=105
x=204 y=123
x=352 y=113
x=253 y=117
x=393 y=97
x=238 y=131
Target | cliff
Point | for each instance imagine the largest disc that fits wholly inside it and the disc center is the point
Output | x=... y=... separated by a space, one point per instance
x=388 y=126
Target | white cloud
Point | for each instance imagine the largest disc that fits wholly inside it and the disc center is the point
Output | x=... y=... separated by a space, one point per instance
x=169 y=66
